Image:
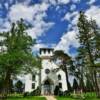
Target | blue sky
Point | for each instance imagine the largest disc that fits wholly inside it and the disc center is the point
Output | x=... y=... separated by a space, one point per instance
x=54 y=22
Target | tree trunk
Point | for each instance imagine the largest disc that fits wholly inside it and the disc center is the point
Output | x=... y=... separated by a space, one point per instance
x=82 y=81
x=6 y=84
x=96 y=84
x=40 y=79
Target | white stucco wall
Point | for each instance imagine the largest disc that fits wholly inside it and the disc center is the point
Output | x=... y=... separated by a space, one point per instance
x=28 y=82
x=63 y=80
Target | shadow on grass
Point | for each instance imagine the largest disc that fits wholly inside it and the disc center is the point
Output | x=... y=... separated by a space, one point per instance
x=26 y=98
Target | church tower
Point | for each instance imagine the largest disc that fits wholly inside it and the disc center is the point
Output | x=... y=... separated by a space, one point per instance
x=50 y=76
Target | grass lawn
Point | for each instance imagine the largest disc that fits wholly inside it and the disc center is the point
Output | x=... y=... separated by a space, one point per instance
x=69 y=98
x=64 y=98
x=87 y=96
x=43 y=98
x=27 y=98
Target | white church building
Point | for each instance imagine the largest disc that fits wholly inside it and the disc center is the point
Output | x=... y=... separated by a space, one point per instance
x=49 y=76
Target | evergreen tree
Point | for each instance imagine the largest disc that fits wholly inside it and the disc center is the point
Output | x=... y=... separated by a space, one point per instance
x=16 y=55
x=89 y=86
x=88 y=44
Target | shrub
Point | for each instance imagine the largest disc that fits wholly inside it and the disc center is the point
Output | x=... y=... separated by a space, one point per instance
x=56 y=91
x=66 y=93
x=36 y=92
x=26 y=94
x=33 y=93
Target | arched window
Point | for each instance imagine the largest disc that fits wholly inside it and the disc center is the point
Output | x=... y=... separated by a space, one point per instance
x=33 y=77
x=59 y=77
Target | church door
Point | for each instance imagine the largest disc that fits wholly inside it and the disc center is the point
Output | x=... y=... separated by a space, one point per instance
x=48 y=87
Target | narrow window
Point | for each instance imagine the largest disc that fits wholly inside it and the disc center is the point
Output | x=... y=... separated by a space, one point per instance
x=33 y=77
x=59 y=77
x=33 y=85
x=60 y=85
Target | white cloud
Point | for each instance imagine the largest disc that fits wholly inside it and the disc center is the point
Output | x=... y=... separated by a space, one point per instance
x=94 y=13
x=36 y=47
x=39 y=29
x=72 y=18
x=56 y=2
x=75 y=1
x=4 y=25
x=63 y=1
x=75 y=16
x=73 y=7
x=91 y=2
x=68 y=15
x=67 y=40
x=51 y=2
x=33 y=14
x=6 y=6
x=18 y=11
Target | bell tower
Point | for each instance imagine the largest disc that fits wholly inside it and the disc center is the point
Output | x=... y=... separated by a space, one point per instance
x=46 y=53
x=47 y=83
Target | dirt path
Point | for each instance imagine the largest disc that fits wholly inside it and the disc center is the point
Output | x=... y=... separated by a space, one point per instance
x=50 y=98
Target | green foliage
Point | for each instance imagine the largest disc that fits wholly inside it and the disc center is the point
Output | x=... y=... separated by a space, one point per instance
x=89 y=86
x=35 y=92
x=17 y=56
x=18 y=49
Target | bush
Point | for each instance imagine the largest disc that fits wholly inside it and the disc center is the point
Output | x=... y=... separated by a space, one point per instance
x=56 y=91
x=33 y=93
x=66 y=93
x=26 y=94
x=36 y=92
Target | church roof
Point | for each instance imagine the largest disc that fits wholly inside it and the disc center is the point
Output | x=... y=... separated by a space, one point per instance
x=46 y=49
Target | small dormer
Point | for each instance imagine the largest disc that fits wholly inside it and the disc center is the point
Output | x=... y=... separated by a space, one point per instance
x=46 y=52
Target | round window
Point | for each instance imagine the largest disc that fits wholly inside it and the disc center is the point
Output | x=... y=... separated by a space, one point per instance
x=47 y=71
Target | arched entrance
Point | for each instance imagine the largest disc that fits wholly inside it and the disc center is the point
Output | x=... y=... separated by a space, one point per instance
x=48 y=87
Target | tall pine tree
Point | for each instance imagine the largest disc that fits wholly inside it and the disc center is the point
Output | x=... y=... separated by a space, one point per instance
x=17 y=55
x=88 y=40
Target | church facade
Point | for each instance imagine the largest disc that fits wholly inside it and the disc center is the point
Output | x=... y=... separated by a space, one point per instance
x=48 y=77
